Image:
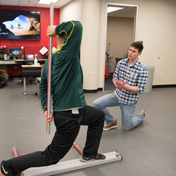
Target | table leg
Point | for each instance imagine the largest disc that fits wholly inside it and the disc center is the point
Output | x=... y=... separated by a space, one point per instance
x=24 y=83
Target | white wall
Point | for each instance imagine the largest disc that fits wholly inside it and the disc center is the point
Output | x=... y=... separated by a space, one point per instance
x=90 y=43
x=120 y=35
x=157 y=30
x=71 y=11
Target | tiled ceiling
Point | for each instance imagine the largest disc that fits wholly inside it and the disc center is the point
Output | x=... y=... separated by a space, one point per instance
x=33 y=3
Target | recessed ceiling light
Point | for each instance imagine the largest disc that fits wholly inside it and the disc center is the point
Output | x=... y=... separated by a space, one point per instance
x=47 y=1
x=112 y=9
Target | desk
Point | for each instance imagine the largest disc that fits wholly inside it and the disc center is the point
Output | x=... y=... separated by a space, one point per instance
x=7 y=62
x=19 y=62
x=3 y=64
x=15 y=61
x=30 y=71
x=28 y=60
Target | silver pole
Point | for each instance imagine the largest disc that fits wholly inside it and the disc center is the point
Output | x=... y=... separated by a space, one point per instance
x=49 y=67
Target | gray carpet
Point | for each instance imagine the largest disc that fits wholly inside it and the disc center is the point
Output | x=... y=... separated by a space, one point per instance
x=148 y=150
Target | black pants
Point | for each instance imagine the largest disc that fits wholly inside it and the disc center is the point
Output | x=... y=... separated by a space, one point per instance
x=67 y=128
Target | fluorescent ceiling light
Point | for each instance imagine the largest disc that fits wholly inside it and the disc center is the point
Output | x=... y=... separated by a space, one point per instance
x=112 y=9
x=47 y=1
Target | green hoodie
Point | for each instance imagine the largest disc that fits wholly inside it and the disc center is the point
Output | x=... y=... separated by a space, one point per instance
x=66 y=78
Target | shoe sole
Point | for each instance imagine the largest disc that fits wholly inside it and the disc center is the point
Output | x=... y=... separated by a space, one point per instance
x=83 y=160
x=105 y=129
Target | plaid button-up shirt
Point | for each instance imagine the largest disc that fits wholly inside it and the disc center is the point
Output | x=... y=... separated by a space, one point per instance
x=133 y=75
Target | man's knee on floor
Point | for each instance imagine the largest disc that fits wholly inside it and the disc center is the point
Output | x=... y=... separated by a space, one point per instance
x=126 y=127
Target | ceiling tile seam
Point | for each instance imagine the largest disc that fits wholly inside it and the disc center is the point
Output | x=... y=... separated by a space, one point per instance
x=37 y=3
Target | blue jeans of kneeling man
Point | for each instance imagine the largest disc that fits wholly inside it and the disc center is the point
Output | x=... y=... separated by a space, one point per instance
x=110 y=100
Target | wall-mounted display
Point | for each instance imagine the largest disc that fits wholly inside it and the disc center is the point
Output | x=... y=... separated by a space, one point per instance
x=20 y=24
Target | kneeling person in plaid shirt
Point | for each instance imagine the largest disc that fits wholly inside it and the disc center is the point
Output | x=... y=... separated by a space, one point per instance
x=130 y=78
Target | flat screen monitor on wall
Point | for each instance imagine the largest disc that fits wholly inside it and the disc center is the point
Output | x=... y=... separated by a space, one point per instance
x=19 y=24
x=15 y=53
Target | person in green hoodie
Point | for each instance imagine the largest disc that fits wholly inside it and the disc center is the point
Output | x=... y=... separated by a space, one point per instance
x=69 y=107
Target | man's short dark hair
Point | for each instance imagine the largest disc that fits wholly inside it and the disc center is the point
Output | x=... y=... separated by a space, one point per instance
x=138 y=45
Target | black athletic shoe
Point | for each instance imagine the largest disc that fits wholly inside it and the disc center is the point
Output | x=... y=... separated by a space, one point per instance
x=2 y=170
x=92 y=158
x=5 y=172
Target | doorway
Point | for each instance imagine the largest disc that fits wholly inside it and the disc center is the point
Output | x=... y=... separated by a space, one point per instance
x=121 y=32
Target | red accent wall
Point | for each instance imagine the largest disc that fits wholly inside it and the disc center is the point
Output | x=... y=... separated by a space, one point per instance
x=33 y=46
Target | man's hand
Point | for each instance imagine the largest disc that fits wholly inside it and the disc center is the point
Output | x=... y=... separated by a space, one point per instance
x=51 y=31
x=119 y=84
x=50 y=118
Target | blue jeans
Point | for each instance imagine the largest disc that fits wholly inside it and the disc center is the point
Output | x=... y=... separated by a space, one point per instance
x=110 y=100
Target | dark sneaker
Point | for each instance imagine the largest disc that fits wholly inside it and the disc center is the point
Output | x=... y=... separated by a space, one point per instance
x=5 y=172
x=92 y=158
x=112 y=125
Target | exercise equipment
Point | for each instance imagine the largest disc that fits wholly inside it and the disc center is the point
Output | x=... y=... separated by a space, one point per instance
x=77 y=148
x=49 y=69
x=106 y=73
x=109 y=59
x=71 y=165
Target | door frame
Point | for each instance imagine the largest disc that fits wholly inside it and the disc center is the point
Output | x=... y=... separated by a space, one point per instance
x=135 y=25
